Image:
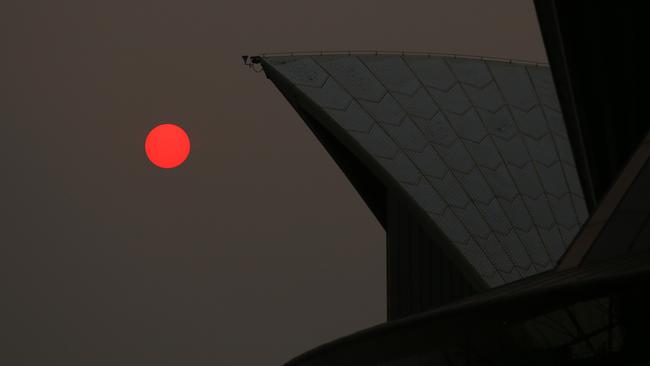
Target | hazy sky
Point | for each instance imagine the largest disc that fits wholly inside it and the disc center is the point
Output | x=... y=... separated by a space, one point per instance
x=253 y=251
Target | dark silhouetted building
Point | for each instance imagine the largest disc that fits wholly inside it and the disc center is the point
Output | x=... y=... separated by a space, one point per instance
x=515 y=196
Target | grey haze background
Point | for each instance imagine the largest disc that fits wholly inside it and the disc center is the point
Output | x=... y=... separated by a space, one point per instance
x=257 y=248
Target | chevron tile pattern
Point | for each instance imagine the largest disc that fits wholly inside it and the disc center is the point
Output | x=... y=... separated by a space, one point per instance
x=480 y=145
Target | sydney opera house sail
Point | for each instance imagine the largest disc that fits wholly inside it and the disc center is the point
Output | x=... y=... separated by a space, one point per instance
x=478 y=147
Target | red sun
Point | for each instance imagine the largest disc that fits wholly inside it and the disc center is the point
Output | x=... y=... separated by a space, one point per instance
x=167 y=146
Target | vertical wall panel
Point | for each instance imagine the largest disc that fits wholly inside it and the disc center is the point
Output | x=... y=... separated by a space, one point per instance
x=420 y=276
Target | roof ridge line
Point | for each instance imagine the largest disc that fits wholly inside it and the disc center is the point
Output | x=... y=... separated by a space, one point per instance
x=401 y=53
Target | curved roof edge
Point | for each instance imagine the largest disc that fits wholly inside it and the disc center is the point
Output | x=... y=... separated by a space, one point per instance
x=389 y=52
x=493 y=310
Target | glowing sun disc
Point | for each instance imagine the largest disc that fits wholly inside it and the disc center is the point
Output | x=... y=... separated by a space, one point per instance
x=167 y=146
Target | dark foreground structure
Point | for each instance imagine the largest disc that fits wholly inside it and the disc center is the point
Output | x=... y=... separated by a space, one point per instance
x=515 y=196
